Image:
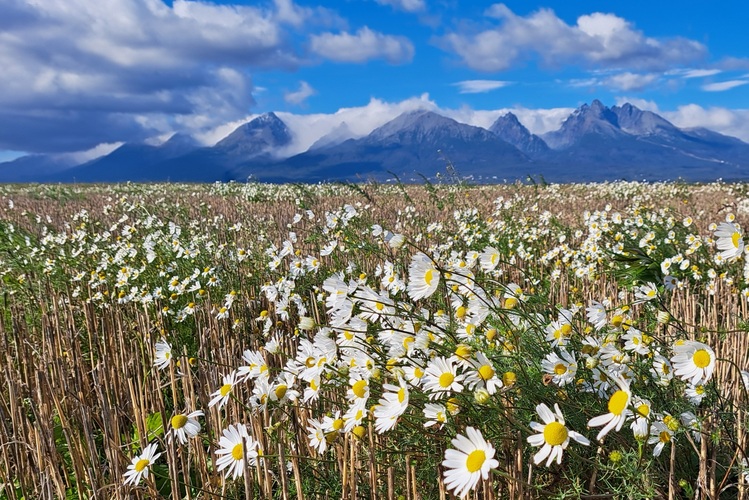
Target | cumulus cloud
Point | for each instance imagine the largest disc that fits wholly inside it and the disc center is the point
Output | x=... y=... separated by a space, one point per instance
x=362 y=46
x=597 y=40
x=630 y=81
x=79 y=73
x=299 y=96
x=733 y=122
x=361 y=120
x=722 y=86
x=480 y=86
x=407 y=5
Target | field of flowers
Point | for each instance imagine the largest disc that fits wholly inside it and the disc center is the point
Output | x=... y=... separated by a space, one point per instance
x=374 y=341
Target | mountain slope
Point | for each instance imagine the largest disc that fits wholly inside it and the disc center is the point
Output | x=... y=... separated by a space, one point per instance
x=417 y=142
x=509 y=129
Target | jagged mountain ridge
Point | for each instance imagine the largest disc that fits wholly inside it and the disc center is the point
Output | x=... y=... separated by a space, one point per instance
x=415 y=142
x=594 y=143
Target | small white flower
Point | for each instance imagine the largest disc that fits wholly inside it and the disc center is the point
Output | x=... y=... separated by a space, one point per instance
x=552 y=435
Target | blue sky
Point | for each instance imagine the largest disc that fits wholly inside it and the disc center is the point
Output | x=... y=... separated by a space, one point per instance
x=81 y=76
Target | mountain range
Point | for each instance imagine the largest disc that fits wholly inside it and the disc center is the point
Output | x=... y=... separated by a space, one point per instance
x=594 y=143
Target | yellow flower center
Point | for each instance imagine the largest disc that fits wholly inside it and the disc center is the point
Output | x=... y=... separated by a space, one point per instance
x=460 y=313
x=664 y=437
x=359 y=387
x=509 y=378
x=643 y=410
x=701 y=358
x=281 y=391
x=735 y=238
x=560 y=369
x=486 y=372
x=555 y=433
x=428 y=276
x=618 y=402
x=510 y=302
x=418 y=372
x=566 y=329
x=446 y=379
x=463 y=351
x=141 y=464
x=475 y=460
x=401 y=394
x=225 y=389
x=178 y=421
x=337 y=424
x=380 y=306
x=237 y=452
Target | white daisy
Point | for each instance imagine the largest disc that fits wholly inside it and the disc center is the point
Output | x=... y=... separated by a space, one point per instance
x=730 y=240
x=472 y=460
x=423 y=277
x=162 y=354
x=391 y=405
x=596 y=314
x=138 y=468
x=693 y=361
x=222 y=395
x=185 y=426
x=317 y=435
x=441 y=377
x=553 y=435
x=660 y=435
x=646 y=292
x=237 y=446
x=618 y=407
x=562 y=367
x=435 y=414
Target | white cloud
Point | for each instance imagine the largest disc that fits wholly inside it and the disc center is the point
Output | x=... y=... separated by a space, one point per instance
x=630 y=81
x=362 y=120
x=700 y=73
x=407 y=5
x=643 y=104
x=78 y=73
x=90 y=154
x=299 y=96
x=597 y=40
x=733 y=122
x=480 y=86
x=362 y=46
x=722 y=86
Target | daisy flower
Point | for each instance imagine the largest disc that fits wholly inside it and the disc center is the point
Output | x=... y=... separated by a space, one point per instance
x=441 y=377
x=435 y=414
x=489 y=258
x=660 y=436
x=391 y=405
x=693 y=361
x=596 y=314
x=423 y=277
x=237 y=446
x=730 y=240
x=562 y=367
x=222 y=395
x=185 y=426
x=162 y=354
x=472 y=460
x=317 y=435
x=482 y=375
x=618 y=407
x=552 y=434
x=139 y=465
x=646 y=292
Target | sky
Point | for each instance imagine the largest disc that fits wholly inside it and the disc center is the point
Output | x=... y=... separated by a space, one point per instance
x=81 y=77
